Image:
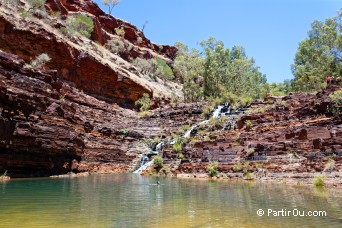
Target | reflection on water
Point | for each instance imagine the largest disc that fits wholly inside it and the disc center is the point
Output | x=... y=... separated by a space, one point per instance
x=134 y=201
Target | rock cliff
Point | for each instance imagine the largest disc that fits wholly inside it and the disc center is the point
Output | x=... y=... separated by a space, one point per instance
x=74 y=113
x=295 y=137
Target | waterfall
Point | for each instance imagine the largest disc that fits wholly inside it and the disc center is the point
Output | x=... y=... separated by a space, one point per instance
x=143 y=167
x=188 y=133
x=221 y=110
x=146 y=161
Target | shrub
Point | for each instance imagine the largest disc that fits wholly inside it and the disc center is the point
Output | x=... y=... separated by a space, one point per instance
x=336 y=98
x=249 y=176
x=167 y=72
x=40 y=61
x=154 y=68
x=318 y=181
x=212 y=169
x=177 y=147
x=248 y=124
x=124 y=131
x=207 y=110
x=81 y=23
x=11 y=3
x=180 y=156
x=143 y=103
x=36 y=4
x=329 y=166
x=158 y=162
x=237 y=167
x=120 y=32
x=116 y=46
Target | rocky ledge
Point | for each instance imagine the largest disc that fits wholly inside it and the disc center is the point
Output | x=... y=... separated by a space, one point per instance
x=291 y=137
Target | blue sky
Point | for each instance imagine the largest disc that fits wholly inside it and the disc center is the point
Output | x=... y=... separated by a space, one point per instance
x=270 y=30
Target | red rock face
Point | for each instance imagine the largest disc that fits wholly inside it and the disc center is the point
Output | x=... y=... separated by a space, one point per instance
x=48 y=127
x=105 y=24
x=293 y=134
x=68 y=115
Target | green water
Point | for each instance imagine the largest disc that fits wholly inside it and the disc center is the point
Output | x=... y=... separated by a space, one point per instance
x=133 y=201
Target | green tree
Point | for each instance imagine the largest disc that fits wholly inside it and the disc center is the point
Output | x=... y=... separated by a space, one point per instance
x=318 y=55
x=188 y=67
x=230 y=71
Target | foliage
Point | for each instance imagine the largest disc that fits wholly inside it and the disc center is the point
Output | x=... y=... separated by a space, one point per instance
x=120 y=32
x=36 y=4
x=177 y=146
x=218 y=72
x=336 y=98
x=318 y=55
x=237 y=167
x=158 y=162
x=249 y=176
x=248 y=124
x=143 y=103
x=318 y=181
x=111 y=4
x=167 y=72
x=189 y=67
x=329 y=166
x=229 y=70
x=180 y=156
x=11 y=3
x=207 y=110
x=40 y=61
x=116 y=46
x=212 y=169
x=81 y=24
x=124 y=131
x=154 y=68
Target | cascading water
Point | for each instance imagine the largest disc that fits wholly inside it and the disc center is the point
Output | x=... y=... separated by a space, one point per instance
x=145 y=161
x=221 y=110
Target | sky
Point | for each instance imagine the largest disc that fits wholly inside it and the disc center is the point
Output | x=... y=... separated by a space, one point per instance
x=270 y=30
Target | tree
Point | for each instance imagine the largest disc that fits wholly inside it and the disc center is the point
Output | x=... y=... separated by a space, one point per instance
x=319 y=55
x=230 y=73
x=111 y=4
x=188 y=67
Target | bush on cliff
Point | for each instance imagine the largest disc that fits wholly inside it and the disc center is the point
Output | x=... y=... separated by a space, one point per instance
x=143 y=103
x=40 y=61
x=177 y=147
x=11 y=3
x=212 y=169
x=120 y=32
x=81 y=24
x=117 y=46
x=158 y=162
x=318 y=181
x=336 y=98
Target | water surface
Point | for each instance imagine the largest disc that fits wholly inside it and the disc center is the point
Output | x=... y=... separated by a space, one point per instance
x=130 y=200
